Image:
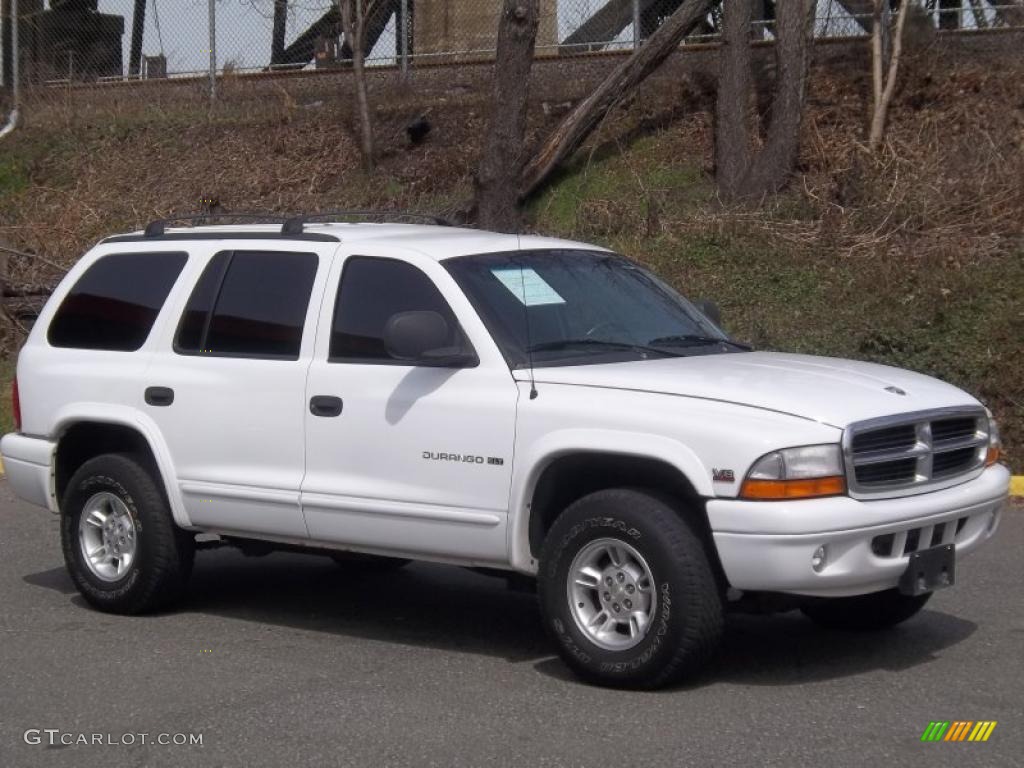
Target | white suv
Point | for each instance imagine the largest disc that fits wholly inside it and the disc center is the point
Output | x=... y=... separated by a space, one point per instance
x=386 y=392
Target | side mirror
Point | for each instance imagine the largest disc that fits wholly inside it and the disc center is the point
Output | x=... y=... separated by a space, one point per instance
x=423 y=338
x=710 y=310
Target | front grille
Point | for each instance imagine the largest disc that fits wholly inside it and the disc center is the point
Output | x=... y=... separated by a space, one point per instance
x=953 y=429
x=885 y=439
x=902 y=470
x=904 y=454
x=953 y=462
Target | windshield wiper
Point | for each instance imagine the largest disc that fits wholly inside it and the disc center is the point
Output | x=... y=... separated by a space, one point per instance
x=693 y=339
x=549 y=346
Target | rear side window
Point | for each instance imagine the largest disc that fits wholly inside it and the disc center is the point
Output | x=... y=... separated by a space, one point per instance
x=249 y=304
x=371 y=291
x=114 y=304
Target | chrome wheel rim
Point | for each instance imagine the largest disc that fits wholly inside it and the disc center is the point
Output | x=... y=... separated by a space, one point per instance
x=611 y=594
x=107 y=536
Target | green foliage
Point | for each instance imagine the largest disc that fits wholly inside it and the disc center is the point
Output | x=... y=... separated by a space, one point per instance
x=13 y=177
x=962 y=322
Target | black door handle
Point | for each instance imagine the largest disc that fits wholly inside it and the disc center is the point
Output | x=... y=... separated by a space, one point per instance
x=160 y=396
x=326 y=406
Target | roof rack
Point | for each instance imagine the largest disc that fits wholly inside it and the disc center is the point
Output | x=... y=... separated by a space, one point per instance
x=295 y=225
x=291 y=224
x=158 y=228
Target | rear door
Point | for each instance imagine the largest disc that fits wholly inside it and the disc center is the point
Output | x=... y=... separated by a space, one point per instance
x=413 y=460
x=227 y=387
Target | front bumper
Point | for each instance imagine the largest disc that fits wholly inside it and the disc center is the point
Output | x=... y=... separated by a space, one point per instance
x=28 y=463
x=767 y=546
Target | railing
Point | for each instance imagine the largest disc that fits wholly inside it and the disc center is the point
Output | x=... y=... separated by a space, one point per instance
x=65 y=42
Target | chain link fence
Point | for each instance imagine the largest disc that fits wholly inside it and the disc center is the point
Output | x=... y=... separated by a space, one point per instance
x=65 y=44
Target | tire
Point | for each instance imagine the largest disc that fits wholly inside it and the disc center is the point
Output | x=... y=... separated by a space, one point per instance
x=879 y=610
x=368 y=563
x=682 y=599
x=157 y=572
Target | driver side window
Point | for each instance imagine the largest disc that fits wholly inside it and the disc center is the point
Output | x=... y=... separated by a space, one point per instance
x=371 y=291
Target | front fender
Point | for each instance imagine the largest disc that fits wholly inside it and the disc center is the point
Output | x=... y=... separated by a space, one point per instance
x=538 y=456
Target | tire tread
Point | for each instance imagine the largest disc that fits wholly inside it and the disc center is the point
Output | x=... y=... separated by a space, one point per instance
x=166 y=552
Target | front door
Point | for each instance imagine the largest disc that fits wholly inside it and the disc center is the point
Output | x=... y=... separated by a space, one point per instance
x=403 y=459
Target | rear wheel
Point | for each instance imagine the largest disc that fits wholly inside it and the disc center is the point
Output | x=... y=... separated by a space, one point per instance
x=121 y=546
x=878 y=610
x=627 y=591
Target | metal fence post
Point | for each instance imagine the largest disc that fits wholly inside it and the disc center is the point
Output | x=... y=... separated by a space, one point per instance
x=404 y=32
x=213 y=50
x=636 y=24
x=12 y=121
x=4 y=74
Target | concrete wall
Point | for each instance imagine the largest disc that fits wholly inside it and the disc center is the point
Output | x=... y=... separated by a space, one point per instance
x=443 y=26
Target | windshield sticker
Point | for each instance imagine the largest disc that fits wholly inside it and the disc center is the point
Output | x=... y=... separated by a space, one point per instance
x=526 y=285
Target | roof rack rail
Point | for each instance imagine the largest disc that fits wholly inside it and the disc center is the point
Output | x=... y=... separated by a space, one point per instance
x=158 y=227
x=295 y=225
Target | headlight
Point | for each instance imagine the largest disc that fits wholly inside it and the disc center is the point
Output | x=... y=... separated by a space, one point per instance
x=995 y=445
x=796 y=473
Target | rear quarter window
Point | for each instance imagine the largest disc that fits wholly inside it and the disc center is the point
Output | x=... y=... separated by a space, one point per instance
x=115 y=302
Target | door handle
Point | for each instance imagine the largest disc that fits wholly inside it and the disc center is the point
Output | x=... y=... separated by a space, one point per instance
x=159 y=396
x=326 y=406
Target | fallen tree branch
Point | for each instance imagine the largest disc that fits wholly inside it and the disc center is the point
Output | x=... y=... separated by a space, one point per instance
x=588 y=114
x=25 y=254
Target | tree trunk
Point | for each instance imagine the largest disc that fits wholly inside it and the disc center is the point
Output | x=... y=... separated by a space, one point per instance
x=496 y=188
x=740 y=172
x=280 y=27
x=353 y=21
x=581 y=122
x=774 y=164
x=732 y=107
x=884 y=76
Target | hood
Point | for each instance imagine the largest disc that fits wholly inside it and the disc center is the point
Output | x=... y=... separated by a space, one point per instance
x=829 y=390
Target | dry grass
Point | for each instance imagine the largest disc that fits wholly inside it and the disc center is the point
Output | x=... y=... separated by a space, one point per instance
x=909 y=257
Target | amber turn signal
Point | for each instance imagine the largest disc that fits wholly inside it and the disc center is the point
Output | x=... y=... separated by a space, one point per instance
x=766 y=490
x=993 y=455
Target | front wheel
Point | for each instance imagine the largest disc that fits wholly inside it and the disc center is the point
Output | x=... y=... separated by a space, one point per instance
x=627 y=591
x=879 y=610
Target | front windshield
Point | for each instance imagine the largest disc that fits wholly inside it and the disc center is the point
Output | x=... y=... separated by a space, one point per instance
x=572 y=307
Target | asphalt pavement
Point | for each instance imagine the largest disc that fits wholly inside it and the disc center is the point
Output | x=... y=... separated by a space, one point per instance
x=288 y=660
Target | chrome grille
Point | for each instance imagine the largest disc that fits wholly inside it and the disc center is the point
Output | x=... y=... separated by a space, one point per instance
x=914 y=452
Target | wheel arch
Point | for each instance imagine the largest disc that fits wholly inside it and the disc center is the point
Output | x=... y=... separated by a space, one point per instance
x=94 y=432
x=562 y=475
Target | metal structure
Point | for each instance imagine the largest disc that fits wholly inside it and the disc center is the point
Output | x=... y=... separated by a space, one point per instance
x=10 y=53
x=82 y=42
